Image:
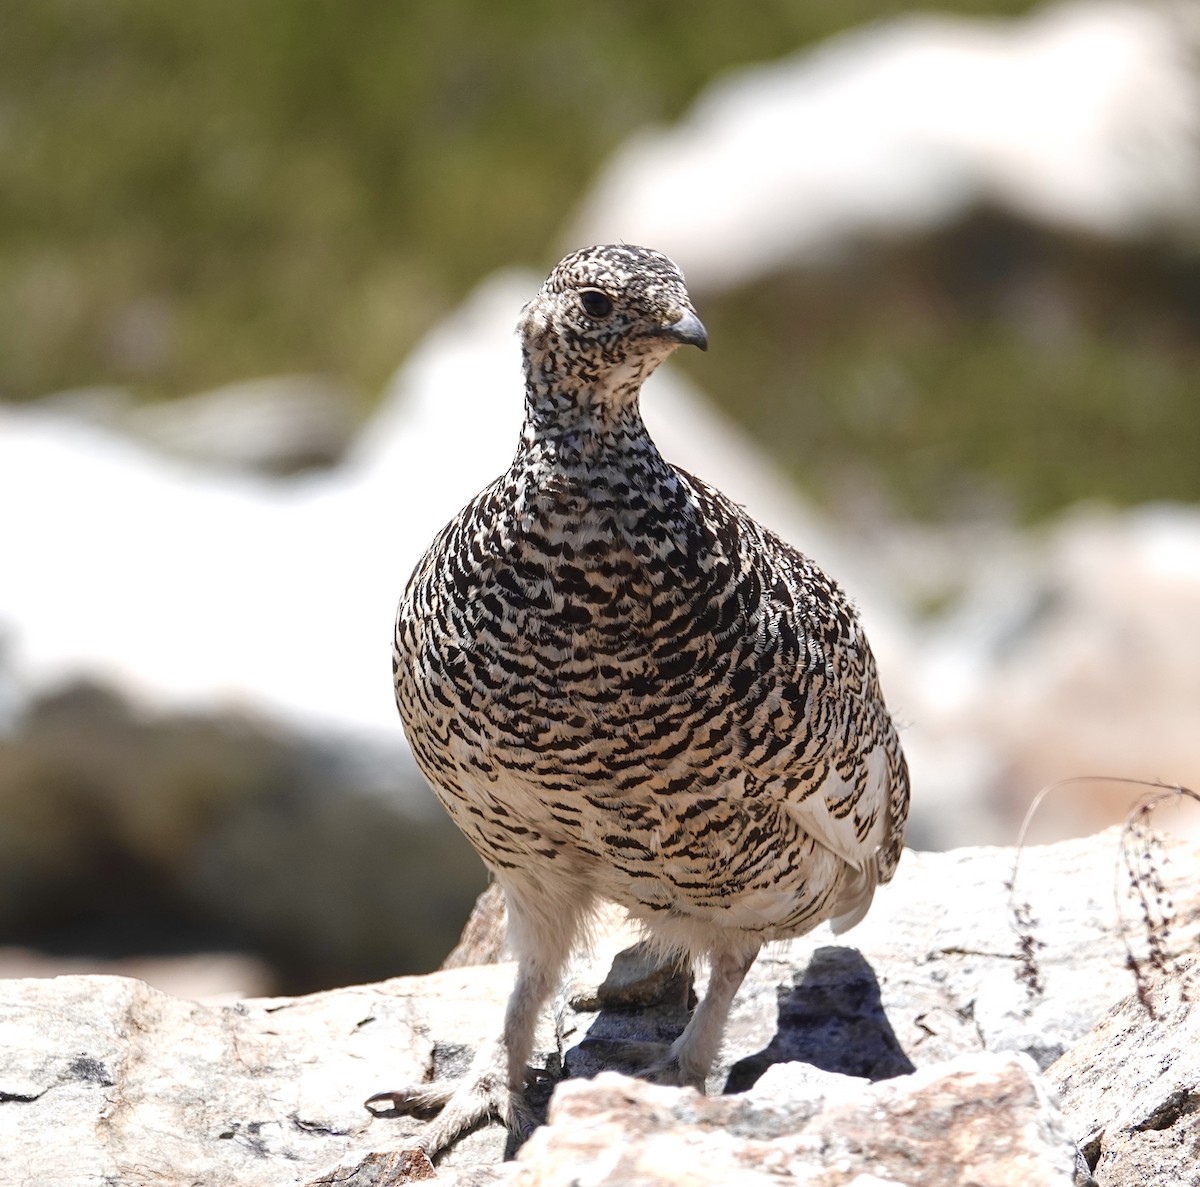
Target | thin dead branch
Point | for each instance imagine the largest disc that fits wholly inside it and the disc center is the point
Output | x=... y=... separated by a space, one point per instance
x=1144 y=860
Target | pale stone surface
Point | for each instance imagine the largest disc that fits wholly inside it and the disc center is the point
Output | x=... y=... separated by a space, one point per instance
x=934 y=971
x=983 y=1119
x=103 y=1079
x=106 y=1081
x=379 y=1170
x=1068 y=650
x=203 y=975
x=1130 y=1090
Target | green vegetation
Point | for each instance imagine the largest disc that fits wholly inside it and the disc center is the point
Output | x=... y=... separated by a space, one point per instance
x=927 y=375
x=195 y=194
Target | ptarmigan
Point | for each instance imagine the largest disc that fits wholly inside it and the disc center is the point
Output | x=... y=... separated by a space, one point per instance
x=619 y=685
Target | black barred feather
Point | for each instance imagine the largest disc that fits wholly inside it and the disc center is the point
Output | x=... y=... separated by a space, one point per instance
x=621 y=686
x=615 y=679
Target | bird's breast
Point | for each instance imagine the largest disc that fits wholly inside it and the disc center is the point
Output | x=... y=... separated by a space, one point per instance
x=584 y=601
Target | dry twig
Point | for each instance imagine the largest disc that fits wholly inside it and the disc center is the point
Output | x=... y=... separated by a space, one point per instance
x=1144 y=861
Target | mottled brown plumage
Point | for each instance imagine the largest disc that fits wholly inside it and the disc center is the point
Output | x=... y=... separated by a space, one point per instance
x=620 y=685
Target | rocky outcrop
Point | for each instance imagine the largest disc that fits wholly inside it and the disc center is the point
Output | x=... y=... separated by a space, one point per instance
x=911 y=1051
x=1131 y=1089
x=127 y=834
x=976 y=1119
x=278 y=425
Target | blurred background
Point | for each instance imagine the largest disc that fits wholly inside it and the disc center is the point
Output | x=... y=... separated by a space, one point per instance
x=260 y=262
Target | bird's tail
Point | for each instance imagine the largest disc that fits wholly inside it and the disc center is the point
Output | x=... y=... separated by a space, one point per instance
x=855 y=900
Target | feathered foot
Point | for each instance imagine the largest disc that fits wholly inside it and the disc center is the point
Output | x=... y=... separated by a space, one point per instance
x=481 y=1096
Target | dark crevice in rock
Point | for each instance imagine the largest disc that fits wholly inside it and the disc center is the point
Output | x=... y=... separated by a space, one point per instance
x=1091 y=1148
x=317 y=1127
x=1179 y=1104
x=1083 y=1171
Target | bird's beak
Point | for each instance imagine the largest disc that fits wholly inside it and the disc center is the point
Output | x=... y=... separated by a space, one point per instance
x=689 y=329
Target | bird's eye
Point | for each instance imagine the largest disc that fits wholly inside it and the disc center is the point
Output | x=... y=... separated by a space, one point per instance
x=595 y=303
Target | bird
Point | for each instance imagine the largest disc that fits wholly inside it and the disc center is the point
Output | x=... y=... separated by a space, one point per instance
x=621 y=687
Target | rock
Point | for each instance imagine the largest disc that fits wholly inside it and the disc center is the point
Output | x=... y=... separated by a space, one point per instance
x=939 y=968
x=379 y=1170
x=800 y=158
x=202 y=975
x=983 y=1119
x=278 y=425
x=103 y=1076
x=212 y=772
x=482 y=939
x=127 y=835
x=1130 y=1089
x=998 y=702
x=1044 y=667
x=103 y=1079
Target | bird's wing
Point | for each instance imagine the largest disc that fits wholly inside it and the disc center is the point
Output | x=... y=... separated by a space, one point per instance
x=855 y=820
x=849 y=818
x=819 y=741
x=833 y=758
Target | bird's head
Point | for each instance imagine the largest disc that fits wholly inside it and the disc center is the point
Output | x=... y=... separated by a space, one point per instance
x=603 y=320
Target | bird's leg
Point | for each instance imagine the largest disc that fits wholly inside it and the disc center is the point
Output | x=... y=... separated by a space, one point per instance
x=493 y=1085
x=692 y=1054
x=687 y=1061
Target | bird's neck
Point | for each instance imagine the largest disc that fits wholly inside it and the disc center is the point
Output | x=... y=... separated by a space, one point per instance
x=581 y=420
